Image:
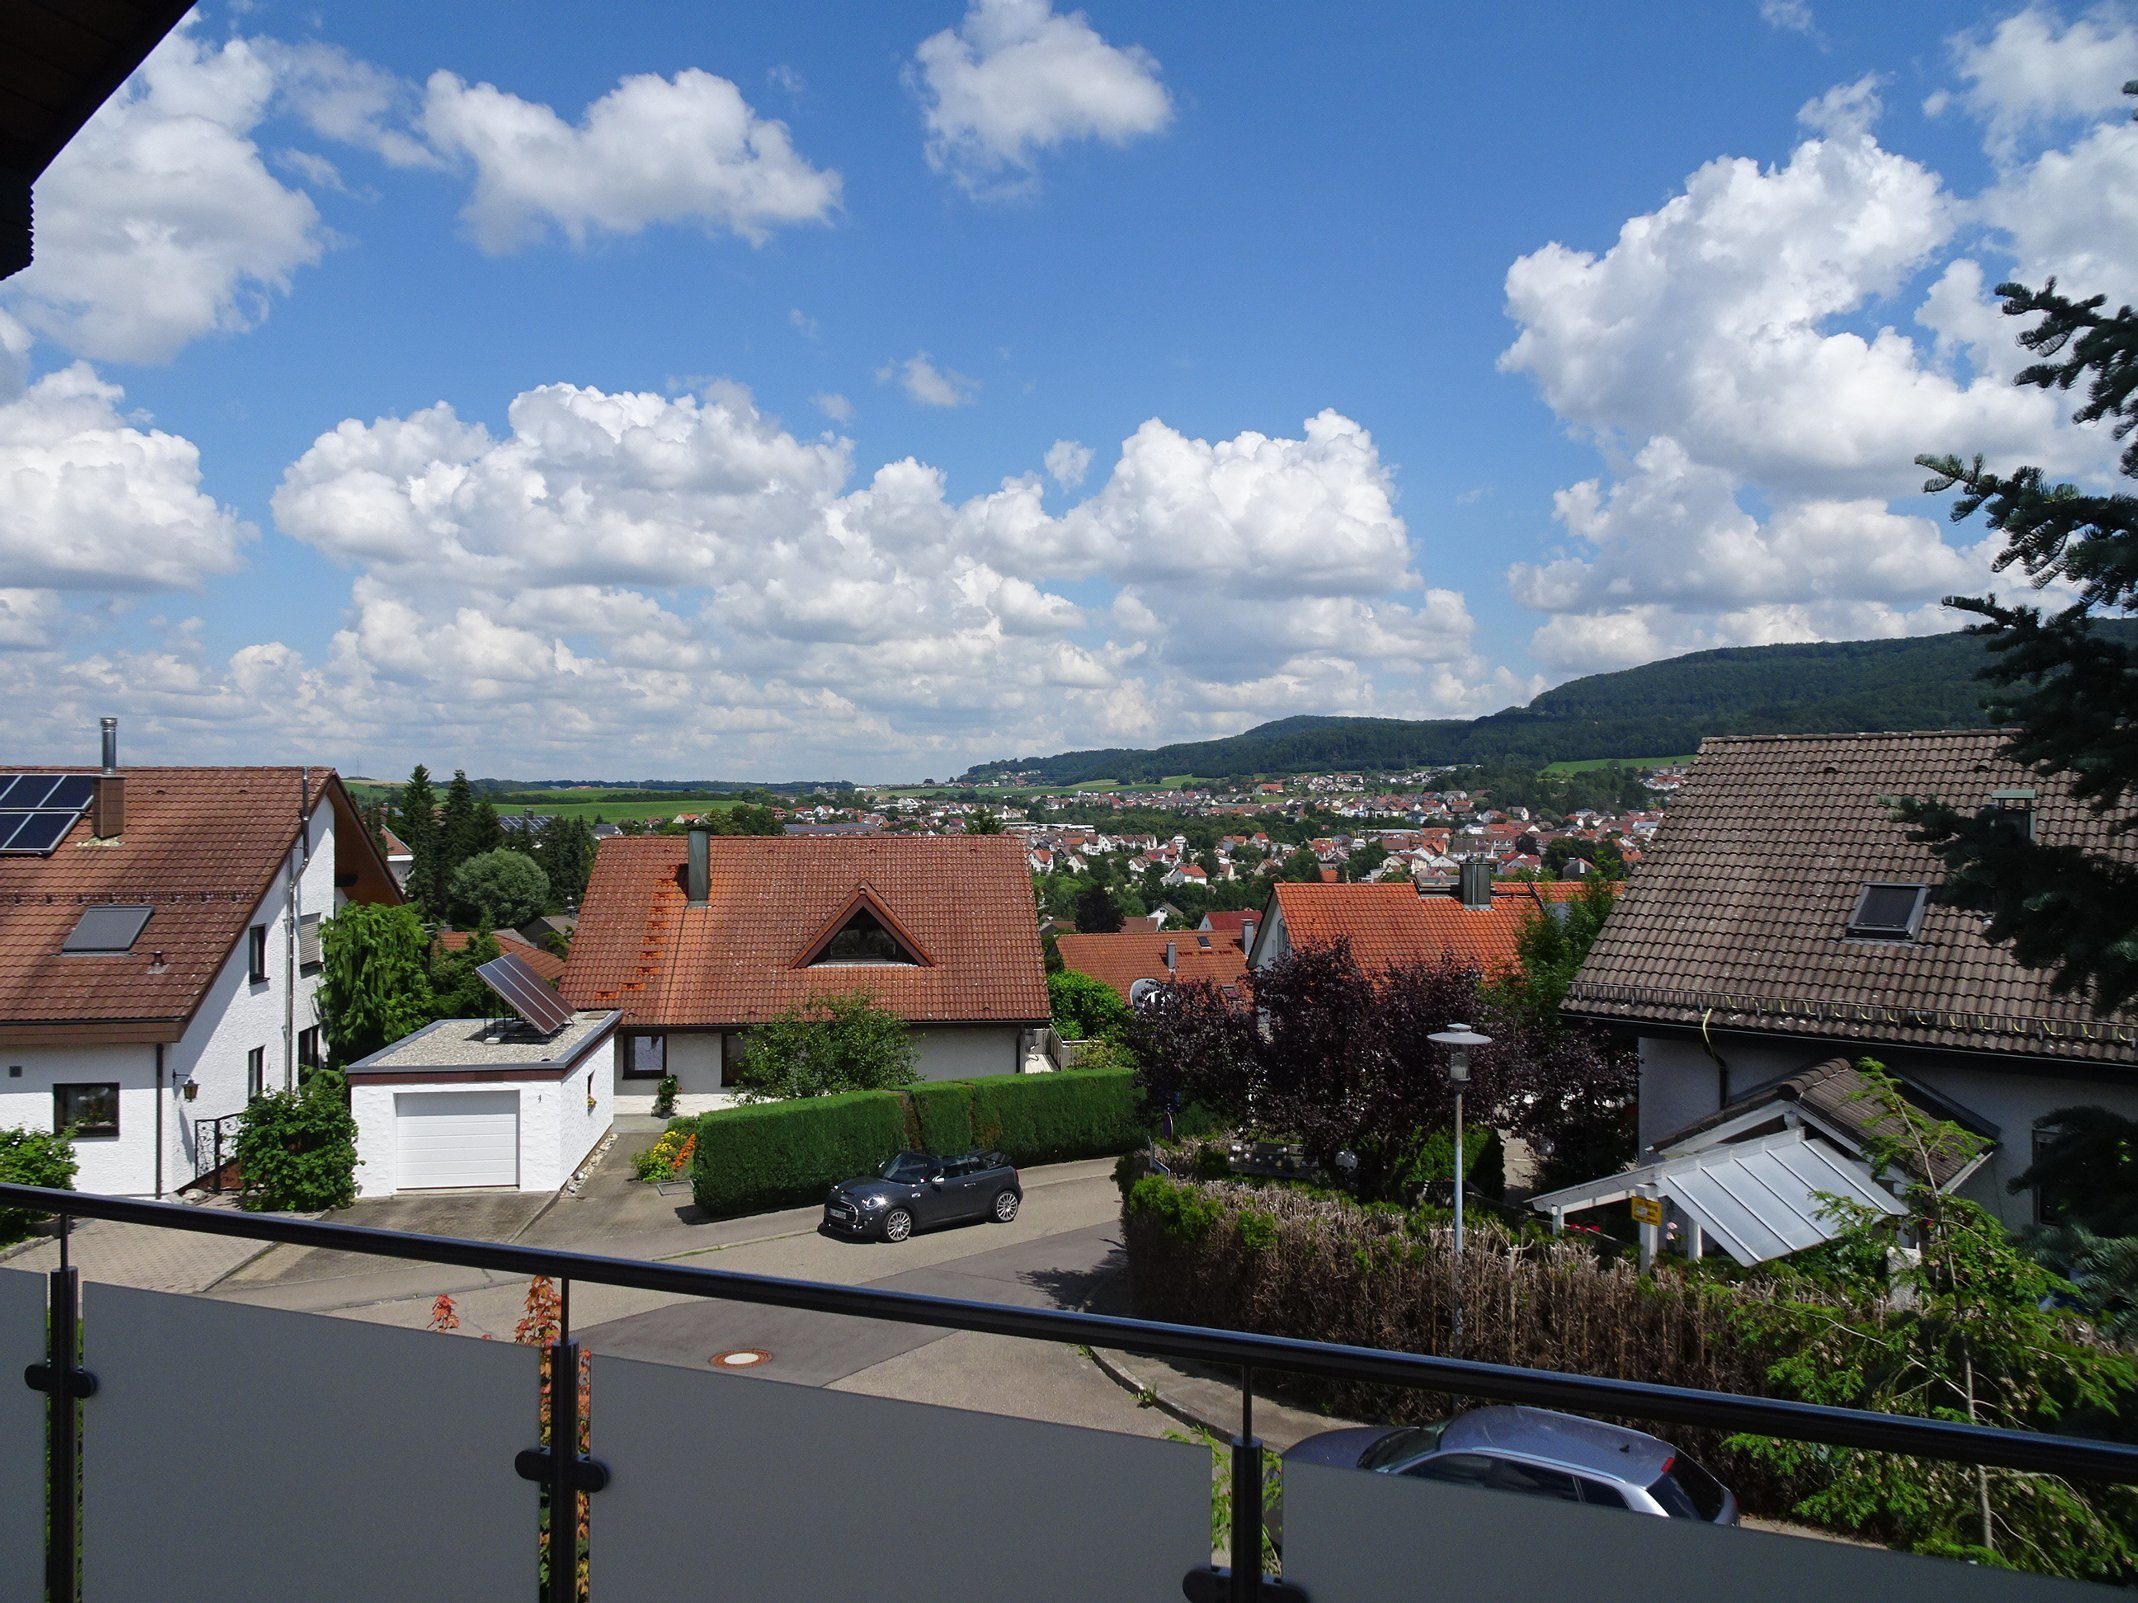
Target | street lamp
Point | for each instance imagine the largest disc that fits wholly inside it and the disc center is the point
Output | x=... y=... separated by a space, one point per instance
x=1461 y=1041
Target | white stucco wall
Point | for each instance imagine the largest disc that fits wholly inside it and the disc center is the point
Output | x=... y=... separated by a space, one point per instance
x=693 y=1058
x=578 y=1125
x=1680 y=1083
x=964 y=1053
x=234 y=1016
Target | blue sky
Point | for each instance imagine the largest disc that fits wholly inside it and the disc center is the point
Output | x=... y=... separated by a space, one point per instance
x=867 y=390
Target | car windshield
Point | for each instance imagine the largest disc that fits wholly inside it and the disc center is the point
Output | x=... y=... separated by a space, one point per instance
x=907 y=1166
x=1400 y=1446
x=1688 y=1492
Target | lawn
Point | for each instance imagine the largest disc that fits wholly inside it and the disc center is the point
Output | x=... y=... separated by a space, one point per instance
x=1617 y=762
x=574 y=802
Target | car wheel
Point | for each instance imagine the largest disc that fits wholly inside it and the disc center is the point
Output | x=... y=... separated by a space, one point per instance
x=897 y=1225
x=1005 y=1207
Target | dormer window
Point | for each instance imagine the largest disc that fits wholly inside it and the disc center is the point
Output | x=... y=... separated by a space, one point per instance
x=1888 y=912
x=865 y=933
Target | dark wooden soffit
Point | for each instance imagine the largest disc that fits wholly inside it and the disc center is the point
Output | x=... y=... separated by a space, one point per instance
x=59 y=61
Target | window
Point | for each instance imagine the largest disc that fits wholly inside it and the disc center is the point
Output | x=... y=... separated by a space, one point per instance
x=731 y=1052
x=259 y=953
x=255 y=1072
x=1511 y=1475
x=1601 y=1494
x=1464 y=1469
x=645 y=1056
x=87 y=1110
x=308 y=1048
x=1688 y=1492
x=308 y=952
x=864 y=938
x=1888 y=912
x=105 y=929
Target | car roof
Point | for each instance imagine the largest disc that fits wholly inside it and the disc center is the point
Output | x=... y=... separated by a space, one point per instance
x=1584 y=1444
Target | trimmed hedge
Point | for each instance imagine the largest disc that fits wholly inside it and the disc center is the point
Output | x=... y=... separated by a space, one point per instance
x=777 y=1154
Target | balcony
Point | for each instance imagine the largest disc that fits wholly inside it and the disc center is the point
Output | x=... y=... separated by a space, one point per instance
x=169 y=1445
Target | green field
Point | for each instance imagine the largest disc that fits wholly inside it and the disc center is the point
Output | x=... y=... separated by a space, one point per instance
x=574 y=802
x=1617 y=762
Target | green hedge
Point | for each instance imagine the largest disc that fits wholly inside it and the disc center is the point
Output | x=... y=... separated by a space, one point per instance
x=777 y=1154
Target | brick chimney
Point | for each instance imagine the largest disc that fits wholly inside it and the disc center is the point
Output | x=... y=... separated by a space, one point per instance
x=108 y=807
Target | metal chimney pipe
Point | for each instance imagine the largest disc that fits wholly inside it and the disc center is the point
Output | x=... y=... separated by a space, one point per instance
x=111 y=744
x=1172 y=958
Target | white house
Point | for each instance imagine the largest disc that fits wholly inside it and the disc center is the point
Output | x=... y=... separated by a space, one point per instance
x=159 y=952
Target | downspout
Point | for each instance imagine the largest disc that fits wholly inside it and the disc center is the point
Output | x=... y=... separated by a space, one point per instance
x=1722 y=1069
x=303 y=851
x=159 y=1119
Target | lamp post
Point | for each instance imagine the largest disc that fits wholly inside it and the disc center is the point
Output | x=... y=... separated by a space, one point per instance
x=1460 y=1040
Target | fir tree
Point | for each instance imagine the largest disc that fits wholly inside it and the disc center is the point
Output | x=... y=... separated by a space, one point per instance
x=415 y=817
x=2067 y=684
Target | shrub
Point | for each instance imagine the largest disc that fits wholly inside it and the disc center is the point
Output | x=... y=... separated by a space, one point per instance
x=776 y=1154
x=1484 y=1165
x=1049 y=1118
x=664 y=1097
x=32 y=1158
x=834 y=1045
x=942 y=1115
x=296 y=1150
x=1086 y=1009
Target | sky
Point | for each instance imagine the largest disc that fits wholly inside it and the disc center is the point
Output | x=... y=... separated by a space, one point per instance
x=862 y=391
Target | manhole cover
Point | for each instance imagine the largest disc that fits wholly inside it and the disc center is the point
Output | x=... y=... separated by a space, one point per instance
x=740 y=1358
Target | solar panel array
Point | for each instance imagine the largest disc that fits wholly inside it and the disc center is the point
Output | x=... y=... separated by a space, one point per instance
x=524 y=989
x=37 y=810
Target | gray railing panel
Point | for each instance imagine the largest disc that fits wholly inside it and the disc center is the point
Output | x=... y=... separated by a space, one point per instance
x=22 y=1438
x=1355 y=1537
x=245 y=1452
x=733 y=1489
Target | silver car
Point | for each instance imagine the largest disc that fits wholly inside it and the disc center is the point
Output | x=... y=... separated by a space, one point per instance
x=1538 y=1452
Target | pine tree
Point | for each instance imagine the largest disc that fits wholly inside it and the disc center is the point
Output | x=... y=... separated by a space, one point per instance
x=416 y=822
x=2066 y=684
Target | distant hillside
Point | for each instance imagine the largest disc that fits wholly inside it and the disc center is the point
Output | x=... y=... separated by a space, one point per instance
x=1925 y=683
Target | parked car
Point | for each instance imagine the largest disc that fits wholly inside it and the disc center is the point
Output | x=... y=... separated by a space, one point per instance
x=1537 y=1452
x=917 y=1189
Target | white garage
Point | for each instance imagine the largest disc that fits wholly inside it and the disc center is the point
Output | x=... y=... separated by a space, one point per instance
x=472 y=1103
x=456 y=1138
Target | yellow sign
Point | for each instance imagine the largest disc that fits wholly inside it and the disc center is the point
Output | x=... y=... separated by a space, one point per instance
x=1648 y=1210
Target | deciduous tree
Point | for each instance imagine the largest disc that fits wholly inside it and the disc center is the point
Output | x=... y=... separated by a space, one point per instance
x=374 y=984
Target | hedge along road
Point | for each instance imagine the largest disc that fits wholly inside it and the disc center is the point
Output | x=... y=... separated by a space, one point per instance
x=1060 y=1252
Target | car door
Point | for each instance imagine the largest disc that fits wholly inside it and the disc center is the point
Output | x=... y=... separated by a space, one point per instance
x=961 y=1188
x=931 y=1198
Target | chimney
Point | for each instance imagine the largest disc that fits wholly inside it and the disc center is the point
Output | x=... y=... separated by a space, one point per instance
x=1172 y=958
x=1476 y=882
x=108 y=809
x=1247 y=935
x=697 y=879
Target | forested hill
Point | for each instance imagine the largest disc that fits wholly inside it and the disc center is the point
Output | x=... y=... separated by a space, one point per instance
x=1659 y=709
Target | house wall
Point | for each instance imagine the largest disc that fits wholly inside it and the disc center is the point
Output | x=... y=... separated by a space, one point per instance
x=693 y=1058
x=953 y=1052
x=578 y=1125
x=235 y=1015
x=1680 y=1083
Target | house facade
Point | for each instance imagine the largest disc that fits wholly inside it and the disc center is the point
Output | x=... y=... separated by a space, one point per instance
x=695 y=939
x=1782 y=917
x=159 y=957
x=1387 y=923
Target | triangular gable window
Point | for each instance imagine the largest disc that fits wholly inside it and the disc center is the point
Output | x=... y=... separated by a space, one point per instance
x=865 y=933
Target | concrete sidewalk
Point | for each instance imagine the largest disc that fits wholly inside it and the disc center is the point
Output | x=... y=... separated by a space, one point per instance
x=142 y=1256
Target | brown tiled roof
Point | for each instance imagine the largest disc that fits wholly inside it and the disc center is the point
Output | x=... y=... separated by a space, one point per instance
x=1738 y=915
x=1839 y=1095
x=964 y=900
x=200 y=847
x=1232 y=925
x=1122 y=959
x=546 y=964
x=1388 y=922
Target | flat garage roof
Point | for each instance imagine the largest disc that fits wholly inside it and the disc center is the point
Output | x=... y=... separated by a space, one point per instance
x=461 y=1045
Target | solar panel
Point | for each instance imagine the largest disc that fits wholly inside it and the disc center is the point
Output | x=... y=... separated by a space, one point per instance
x=112 y=928
x=523 y=988
x=37 y=810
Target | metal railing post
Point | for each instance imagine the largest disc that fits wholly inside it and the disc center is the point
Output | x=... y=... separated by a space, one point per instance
x=1246 y=1499
x=558 y=1467
x=65 y=1383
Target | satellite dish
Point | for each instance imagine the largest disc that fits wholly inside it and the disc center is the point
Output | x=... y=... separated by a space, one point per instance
x=1142 y=991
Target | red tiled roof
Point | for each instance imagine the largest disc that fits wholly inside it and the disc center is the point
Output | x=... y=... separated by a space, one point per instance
x=546 y=964
x=965 y=901
x=200 y=847
x=1389 y=923
x=1131 y=955
x=1232 y=925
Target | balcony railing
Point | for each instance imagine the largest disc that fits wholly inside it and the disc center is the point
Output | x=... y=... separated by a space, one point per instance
x=354 y=1460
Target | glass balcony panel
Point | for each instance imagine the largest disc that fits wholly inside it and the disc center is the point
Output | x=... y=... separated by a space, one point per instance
x=732 y=1489
x=1351 y=1536
x=247 y=1452
x=22 y=1438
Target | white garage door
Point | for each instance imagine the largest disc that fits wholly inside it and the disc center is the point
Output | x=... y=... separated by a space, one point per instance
x=458 y=1138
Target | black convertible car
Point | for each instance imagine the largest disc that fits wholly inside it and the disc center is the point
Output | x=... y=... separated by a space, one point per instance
x=915 y=1189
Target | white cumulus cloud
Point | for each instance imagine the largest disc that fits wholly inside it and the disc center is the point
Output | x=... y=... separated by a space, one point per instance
x=927 y=383
x=1068 y=463
x=1015 y=79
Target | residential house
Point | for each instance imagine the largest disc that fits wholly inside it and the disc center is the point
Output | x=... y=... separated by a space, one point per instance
x=1388 y=923
x=1128 y=957
x=1238 y=928
x=159 y=951
x=697 y=939
x=400 y=856
x=545 y=964
x=1783 y=917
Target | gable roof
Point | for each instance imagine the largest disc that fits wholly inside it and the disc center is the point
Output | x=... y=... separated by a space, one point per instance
x=1127 y=956
x=548 y=966
x=200 y=848
x=1232 y=925
x=1738 y=915
x=1389 y=922
x=964 y=900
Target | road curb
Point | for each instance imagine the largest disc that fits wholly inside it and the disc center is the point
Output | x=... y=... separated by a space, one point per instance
x=1114 y=1366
